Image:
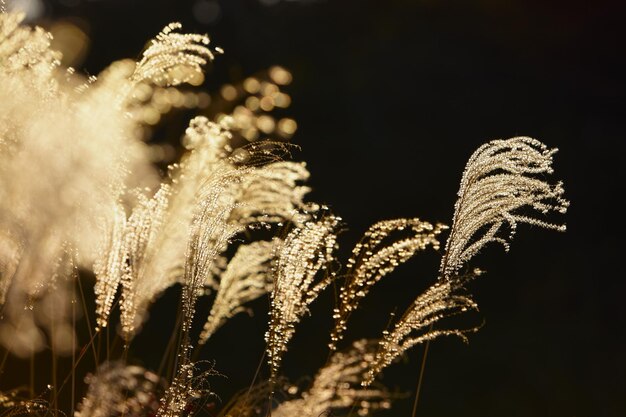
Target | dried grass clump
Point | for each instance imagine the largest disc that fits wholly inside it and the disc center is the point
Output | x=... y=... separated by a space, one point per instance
x=80 y=194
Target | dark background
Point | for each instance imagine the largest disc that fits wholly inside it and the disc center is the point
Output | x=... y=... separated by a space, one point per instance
x=391 y=98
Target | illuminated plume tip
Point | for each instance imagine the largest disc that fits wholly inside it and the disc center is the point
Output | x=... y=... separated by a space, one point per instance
x=245 y=278
x=174 y=58
x=305 y=252
x=384 y=246
x=502 y=180
x=440 y=301
x=336 y=387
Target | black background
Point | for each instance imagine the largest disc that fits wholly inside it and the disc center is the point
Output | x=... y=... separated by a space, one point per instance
x=391 y=98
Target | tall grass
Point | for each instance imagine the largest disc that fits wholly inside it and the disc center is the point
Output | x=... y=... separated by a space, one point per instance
x=93 y=233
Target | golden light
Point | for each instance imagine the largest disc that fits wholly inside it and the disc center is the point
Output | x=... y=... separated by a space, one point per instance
x=269 y=89
x=252 y=85
x=252 y=103
x=142 y=92
x=204 y=99
x=175 y=97
x=287 y=126
x=69 y=39
x=161 y=101
x=282 y=100
x=250 y=134
x=280 y=75
x=267 y=103
x=151 y=115
x=266 y=124
x=229 y=92
x=190 y=100
x=197 y=79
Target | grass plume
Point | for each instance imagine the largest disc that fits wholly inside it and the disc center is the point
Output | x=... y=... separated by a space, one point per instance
x=81 y=193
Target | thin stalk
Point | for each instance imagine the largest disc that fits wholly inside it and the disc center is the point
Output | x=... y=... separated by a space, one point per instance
x=108 y=343
x=421 y=377
x=86 y=313
x=32 y=375
x=55 y=395
x=73 y=399
x=256 y=374
x=170 y=343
